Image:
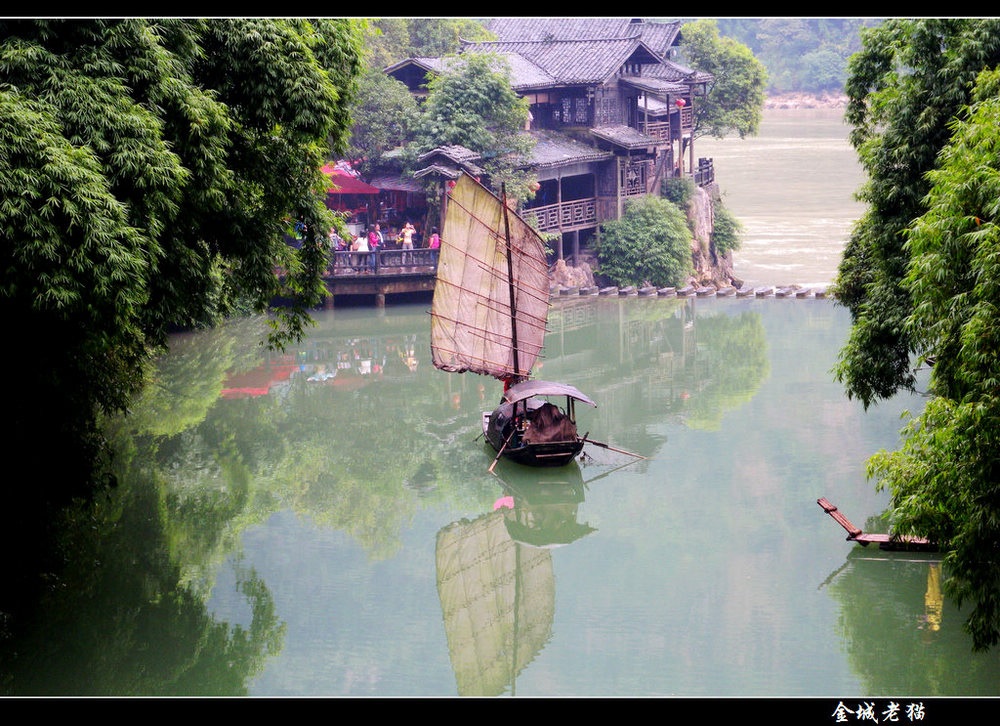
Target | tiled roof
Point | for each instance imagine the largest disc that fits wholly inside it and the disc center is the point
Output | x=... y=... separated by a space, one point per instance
x=676 y=72
x=656 y=85
x=545 y=52
x=569 y=61
x=553 y=149
x=525 y=74
x=449 y=160
x=624 y=136
x=395 y=182
x=441 y=170
x=427 y=64
x=454 y=152
x=658 y=36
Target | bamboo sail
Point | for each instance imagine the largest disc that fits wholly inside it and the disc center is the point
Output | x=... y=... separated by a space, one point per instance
x=472 y=321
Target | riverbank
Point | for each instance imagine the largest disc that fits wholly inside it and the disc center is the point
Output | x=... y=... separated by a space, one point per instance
x=806 y=100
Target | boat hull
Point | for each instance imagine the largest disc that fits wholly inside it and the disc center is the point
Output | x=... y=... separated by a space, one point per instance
x=505 y=437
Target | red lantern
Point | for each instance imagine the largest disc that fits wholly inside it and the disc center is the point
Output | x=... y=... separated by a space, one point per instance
x=451 y=183
x=681 y=103
x=535 y=186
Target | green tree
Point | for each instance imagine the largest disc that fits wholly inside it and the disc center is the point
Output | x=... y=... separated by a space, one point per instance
x=651 y=243
x=435 y=37
x=806 y=55
x=945 y=482
x=396 y=39
x=387 y=41
x=384 y=113
x=149 y=170
x=735 y=98
x=905 y=86
x=471 y=103
x=918 y=277
x=727 y=231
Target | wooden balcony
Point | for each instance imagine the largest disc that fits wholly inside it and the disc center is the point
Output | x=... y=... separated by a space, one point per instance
x=659 y=130
x=566 y=216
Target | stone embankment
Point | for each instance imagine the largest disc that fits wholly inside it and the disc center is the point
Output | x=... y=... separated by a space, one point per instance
x=798 y=292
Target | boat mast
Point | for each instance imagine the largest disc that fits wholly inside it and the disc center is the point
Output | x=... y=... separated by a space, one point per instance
x=510 y=286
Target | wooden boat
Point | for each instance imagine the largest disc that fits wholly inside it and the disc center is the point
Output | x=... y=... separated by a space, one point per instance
x=488 y=316
x=892 y=542
x=527 y=428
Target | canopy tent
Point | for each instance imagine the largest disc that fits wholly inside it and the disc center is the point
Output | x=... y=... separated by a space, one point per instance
x=353 y=197
x=342 y=182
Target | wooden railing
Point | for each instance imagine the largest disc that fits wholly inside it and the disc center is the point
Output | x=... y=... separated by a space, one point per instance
x=705 y=173
x=687 y=119
x=566 y=216
x=659 y=130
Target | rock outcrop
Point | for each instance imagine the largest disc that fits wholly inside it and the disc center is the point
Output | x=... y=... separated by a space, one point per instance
x=580 y=275
x=710 y=268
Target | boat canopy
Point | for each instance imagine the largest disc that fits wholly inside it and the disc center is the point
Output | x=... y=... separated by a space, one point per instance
x=527 y=389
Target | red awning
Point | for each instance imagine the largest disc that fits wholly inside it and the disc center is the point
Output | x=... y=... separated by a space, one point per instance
x=343 y=183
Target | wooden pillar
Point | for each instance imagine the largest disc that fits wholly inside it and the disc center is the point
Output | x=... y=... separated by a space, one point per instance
x=380 y=299
x=691 y=165
x=559 y=244
x=443 y=192
x=619 y=203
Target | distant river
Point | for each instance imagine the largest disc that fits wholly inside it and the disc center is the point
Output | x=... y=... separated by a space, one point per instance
x=792 y=187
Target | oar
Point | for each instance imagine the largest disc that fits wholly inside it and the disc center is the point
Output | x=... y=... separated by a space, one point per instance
x=611 y=448
x=588 y=482
x=500 y=452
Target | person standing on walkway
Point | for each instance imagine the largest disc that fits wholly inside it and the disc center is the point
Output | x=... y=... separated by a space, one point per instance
x=434 y=243
x=361 y=248
x=407 y=235
x=374 y=243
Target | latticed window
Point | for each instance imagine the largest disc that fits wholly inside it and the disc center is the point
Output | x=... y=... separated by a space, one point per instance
x=633 y=178
x=574 y=110
x=607 y=112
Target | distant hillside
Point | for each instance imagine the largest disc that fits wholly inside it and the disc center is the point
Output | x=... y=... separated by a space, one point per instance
x=802 y=55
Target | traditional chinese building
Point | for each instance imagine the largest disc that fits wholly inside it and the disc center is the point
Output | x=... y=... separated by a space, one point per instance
x=611 y=113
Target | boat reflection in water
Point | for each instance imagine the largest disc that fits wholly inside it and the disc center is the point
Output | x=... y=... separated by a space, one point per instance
x=495 y=577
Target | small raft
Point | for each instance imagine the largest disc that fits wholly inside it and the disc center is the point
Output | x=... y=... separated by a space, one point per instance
x=893 y=542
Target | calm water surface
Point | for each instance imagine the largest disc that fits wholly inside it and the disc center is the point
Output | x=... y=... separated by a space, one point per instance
x=323 y=523
x=792 y=187
x=706 y=569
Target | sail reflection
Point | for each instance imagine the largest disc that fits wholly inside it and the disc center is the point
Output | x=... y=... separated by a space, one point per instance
x=495 y=577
